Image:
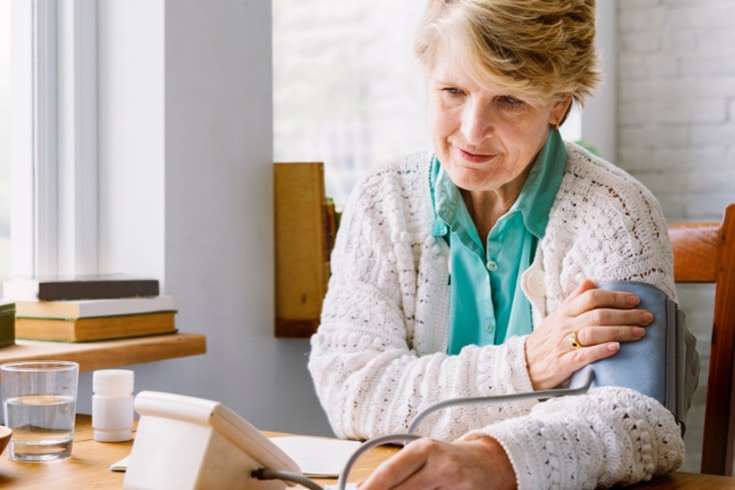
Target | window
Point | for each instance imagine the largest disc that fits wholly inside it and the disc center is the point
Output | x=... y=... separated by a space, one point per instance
x=346 y=89
x=51 y=168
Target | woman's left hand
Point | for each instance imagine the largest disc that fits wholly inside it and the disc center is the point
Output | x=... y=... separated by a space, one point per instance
x=479 y=463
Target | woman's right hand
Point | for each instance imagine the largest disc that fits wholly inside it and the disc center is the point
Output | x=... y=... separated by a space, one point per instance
x=601 y=320
x=477 y=463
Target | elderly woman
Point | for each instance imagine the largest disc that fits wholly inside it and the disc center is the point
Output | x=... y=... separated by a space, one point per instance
x=472 y=271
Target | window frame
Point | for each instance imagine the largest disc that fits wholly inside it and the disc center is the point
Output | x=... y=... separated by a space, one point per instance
x=53 y=223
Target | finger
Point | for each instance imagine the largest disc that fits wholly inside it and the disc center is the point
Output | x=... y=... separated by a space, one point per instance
x=576 y=301
x=586 y=285
x=593 y=299
x=423 y=480
x=614 y=299
x=397 y=469
x=611 y=317
x=591 y=336
x=587 y=355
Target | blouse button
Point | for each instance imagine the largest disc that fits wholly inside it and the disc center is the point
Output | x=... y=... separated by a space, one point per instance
x=492 y=266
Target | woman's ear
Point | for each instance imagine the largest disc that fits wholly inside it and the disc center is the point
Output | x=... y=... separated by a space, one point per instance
x=560 y=111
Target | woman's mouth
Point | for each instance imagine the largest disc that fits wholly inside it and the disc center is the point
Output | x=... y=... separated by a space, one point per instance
x=474 y=157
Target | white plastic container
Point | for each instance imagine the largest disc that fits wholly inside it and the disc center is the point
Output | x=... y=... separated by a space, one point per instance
x=112 y=405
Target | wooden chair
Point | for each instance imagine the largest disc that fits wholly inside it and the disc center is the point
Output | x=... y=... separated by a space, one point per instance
x=705 y=253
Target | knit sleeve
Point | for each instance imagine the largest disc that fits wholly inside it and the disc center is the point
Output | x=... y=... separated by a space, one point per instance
x=609 y=436
x=367 y=372
x=605 y=226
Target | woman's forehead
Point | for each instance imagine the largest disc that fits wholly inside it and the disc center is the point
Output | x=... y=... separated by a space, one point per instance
x=454 y=62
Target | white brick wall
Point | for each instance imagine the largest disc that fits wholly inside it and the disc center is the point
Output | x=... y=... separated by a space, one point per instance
x=676 y=127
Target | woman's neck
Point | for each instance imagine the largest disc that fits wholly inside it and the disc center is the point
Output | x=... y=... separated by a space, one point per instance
x=486 y=208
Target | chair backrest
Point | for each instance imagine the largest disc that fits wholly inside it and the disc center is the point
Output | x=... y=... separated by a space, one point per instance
x=705 y=253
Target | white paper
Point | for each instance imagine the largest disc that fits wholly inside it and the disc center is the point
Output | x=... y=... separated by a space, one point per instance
x=316 y=456
x=121 y=465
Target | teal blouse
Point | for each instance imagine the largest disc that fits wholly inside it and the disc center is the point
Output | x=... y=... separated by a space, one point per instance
x=487 y=303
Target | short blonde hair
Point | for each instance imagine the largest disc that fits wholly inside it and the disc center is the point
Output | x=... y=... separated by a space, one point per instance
x=542 y=49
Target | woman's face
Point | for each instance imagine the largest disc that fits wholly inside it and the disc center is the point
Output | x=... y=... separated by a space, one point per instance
x=484 y=136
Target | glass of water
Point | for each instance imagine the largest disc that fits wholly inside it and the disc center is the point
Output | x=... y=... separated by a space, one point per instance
x=39 y=399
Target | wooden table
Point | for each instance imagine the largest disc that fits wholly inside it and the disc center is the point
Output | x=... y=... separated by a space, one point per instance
x=88 y=467
x=679 y=481
x=109 y=353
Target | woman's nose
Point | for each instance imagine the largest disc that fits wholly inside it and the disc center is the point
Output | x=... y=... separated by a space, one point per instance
x=476 y=122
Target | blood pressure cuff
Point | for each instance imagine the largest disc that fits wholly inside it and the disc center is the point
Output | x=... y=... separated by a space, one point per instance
x=664 y=364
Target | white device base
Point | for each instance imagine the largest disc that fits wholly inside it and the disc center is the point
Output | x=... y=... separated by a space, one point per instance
x=187 y=443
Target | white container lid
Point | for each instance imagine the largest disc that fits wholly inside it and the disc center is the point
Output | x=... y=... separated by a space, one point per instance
x=113 y=382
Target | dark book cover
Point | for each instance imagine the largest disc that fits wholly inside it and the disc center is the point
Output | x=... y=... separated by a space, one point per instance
x=7 y=324
x=79 y=287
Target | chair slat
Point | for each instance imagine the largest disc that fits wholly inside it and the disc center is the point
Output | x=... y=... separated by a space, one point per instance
x=705 y=253
x=695 y=248
x=719 y=424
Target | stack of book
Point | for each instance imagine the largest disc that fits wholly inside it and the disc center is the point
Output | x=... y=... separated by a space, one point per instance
x=89 y=308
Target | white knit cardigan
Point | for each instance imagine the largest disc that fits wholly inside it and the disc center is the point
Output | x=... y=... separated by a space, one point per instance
x=379 y=355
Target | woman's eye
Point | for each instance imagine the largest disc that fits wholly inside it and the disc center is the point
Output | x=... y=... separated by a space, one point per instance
x=451 y=96
x=510 y=101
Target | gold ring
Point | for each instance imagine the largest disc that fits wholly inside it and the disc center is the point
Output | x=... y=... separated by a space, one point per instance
x=574 y=340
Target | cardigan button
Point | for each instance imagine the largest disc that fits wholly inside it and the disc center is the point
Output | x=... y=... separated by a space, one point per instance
x=535 y=283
